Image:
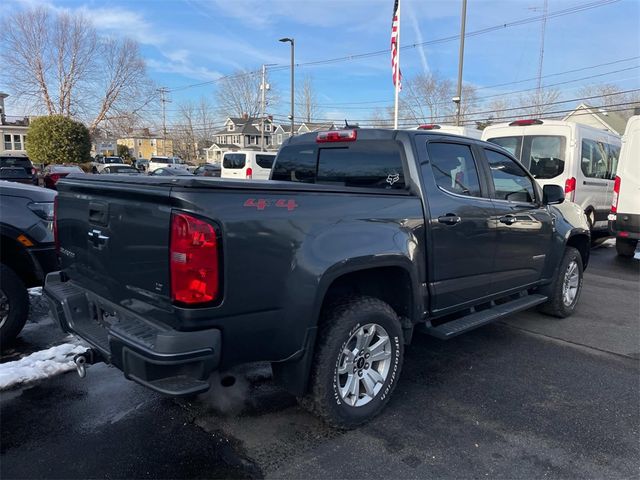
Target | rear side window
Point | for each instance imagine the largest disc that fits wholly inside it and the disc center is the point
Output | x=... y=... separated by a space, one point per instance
x=234 y=160
x=594 y=159
x=372 y=164
x=614 y=156
x=454 y=168
x=510 y=180
x=265 y=161
x=368 y=164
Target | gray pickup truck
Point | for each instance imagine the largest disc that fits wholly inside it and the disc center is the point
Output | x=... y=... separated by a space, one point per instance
x=360 y=238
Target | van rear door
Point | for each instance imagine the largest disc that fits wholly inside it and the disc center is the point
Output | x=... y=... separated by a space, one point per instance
x=234 y=165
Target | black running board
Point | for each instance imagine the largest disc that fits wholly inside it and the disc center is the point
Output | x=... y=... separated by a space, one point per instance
x=483 y=317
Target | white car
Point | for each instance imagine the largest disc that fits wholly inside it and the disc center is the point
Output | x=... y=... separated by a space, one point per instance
x=583 y=159
x=247 y=165
x=624 y=219
x=453 y=129
x=165 y=162
x=100 y=162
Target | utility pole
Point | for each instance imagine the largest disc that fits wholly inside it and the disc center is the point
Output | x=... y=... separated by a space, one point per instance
x=545 y=9
x=457 y=99
x=264 y=86
x=163 y=100
x=292 y=42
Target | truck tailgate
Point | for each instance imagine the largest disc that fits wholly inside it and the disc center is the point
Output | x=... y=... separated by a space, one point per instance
x=114 y=237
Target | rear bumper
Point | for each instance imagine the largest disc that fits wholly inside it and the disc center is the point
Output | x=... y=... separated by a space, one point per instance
x=625 y=225
x=156 y=356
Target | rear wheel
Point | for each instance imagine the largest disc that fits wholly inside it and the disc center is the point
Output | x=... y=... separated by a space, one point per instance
x=357 y=362
x=14 y=305
x=565 y=290
x=626 y=247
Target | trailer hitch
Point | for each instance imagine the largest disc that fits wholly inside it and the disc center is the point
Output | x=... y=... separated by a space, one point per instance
x=84 y=359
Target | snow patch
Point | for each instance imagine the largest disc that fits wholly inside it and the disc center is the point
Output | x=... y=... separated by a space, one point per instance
x=39 y=365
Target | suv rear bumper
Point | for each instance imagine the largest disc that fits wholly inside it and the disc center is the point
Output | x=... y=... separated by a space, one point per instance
x=156 y=356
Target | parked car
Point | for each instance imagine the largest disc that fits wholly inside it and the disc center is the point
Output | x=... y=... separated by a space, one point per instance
x=17 y=167
x=171 y=172
x=27 y=251
x=624 y=220
x=581 y=158
x=165 y=162
x=247 y=165
x=207 y=170
x=53 y=173
x=456 y=130
x=324 y=271
x=120 y=170
x=101 y=162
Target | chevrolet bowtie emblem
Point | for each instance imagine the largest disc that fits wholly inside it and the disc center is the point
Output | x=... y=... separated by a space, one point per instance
x=97 y=239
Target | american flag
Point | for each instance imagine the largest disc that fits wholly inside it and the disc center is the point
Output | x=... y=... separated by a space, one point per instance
x=395 y=68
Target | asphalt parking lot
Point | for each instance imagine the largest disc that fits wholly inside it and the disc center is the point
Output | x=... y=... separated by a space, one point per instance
x=529 y=398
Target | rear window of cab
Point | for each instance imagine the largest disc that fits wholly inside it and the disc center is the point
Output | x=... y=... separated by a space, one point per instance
x=369 y=164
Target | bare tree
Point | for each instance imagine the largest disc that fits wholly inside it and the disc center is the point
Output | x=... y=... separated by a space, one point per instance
x=381 y=118
x=239 y=94
x=538 y=103
x=307 y=99
x=610 y=95
x=426 y=99
x=57 y=62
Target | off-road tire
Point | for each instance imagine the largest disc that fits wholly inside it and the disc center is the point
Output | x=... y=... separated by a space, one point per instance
x=626 y=247
x=555 y=305
x=18 y=299
x=338 y=323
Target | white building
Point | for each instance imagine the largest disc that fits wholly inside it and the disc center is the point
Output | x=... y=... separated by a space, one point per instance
x=13 y=131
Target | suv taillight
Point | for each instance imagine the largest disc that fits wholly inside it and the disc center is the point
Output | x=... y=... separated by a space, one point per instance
x=249 y=173
x=616 y=194
x=193 y=258
x=570 y=188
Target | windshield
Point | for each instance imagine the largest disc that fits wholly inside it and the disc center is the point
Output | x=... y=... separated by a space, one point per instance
x=64 y=169
x=122 y=169
x=543 y=155
x=162 y=160
x=234 y=160
x=113 y=160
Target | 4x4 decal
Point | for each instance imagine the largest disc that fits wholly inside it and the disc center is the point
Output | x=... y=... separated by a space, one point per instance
x=262 y=203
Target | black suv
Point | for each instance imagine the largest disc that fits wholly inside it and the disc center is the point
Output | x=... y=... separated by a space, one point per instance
x=16 y=167
x=27 y=251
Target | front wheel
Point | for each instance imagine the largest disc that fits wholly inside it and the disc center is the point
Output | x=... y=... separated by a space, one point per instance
x=565 y=290
x=357 y=362
x=626 y=247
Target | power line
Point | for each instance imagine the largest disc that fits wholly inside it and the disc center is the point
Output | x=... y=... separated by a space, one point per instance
x=523 y=21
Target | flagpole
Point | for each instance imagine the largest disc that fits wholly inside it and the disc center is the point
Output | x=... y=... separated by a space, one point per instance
x=397 y=82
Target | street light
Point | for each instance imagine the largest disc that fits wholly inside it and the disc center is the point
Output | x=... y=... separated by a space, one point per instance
x=290 y=40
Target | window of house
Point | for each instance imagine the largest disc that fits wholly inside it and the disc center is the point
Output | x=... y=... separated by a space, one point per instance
x=153 y=142
x=230 y=127
x=17 y=142
x=510 y=180
x=24 y=142
x=139 y=143
x=267 y=128
x=594 y=163
x=7 y=142
x=279 y=138
x=454 y=168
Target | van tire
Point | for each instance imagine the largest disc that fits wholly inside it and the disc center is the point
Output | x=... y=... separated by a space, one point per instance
x=626 y=247
x=557 y=304
x=16 y=296
x=339 y=332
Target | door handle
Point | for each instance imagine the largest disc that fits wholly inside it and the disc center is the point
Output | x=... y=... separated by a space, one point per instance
x=449 y=219
x=508 y=219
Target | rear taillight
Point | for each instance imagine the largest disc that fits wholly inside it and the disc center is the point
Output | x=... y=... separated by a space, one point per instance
x=55 y=177
x=430 y=126
x=249 y=173
x=34 y=171
x=616 y=194
x=194 y=264
x=570 y=188
x=337 y=136
x=55 y=224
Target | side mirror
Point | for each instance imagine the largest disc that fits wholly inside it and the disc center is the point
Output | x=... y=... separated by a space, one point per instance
x=552 y=194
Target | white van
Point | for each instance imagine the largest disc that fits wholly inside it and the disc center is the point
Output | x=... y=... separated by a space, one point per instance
x=583 y=159
x=624 y=219
x=247 y=164
x=455 y=130
x=157 y=162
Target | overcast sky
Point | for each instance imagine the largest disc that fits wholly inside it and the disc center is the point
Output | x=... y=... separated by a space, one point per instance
x=191 y=41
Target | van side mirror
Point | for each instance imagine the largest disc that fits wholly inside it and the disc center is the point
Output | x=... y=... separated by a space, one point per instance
x=552 y=194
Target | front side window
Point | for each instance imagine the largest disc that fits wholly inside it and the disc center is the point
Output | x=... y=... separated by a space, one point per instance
x=510 y=181
x=594 y=159
x=234 y=160
x=454 y=168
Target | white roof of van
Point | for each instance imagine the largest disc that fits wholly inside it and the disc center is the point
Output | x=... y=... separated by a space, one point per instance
x=550 y=123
